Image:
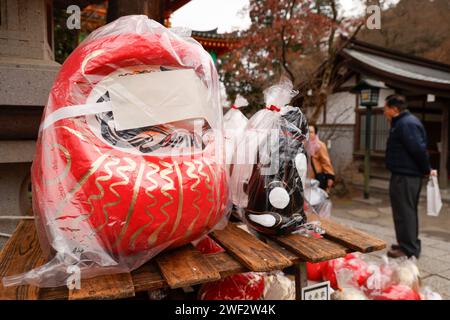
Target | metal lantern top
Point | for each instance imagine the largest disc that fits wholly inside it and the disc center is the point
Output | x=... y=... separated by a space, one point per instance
x=369 y=91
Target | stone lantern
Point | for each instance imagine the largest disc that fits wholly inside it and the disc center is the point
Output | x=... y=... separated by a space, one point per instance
x=369 y=94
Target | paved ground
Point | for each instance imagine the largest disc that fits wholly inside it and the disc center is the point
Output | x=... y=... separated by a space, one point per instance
x=376 y=219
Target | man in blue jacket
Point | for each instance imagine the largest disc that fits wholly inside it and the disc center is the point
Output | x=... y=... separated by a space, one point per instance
x=408 y=161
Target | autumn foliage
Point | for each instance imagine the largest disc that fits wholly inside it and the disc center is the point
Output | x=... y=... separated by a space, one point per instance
x=287 y=37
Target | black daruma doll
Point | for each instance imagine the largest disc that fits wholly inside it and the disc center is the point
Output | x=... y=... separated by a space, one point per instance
x=271 y=195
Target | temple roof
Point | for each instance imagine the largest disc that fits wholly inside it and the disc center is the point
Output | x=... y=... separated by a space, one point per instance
x=411 y=74
x=396 y=67
x=400 y=68
x=220 y=43
x=212 y=34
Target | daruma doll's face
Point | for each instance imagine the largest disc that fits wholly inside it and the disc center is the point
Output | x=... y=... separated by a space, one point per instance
x=100 y=190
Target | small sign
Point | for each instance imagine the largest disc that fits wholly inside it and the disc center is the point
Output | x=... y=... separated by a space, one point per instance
x=431 y=98
x=320 y=291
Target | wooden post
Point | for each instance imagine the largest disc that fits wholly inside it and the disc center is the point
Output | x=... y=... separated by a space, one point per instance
x=443 y=172
x=367 y=152
x=152 y=8
x=301 y=279
x=357 y=129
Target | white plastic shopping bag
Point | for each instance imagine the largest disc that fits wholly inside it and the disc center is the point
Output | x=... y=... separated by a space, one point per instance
x=434 y=201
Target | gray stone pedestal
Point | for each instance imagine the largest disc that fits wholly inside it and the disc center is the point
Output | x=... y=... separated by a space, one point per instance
x=26 y=82
x=14 y=195
x=27 y=72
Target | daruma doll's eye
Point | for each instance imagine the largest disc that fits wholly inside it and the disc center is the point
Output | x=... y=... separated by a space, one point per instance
x=121 y=171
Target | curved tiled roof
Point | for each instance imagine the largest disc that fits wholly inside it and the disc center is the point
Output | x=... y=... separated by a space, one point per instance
x=212 y=34
x=401 y=68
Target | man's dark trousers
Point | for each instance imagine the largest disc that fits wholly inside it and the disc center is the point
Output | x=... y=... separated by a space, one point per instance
x=404 y=193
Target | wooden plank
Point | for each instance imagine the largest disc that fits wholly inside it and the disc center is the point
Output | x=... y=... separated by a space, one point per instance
x=311 y=249
x=114 y=286
x=20 y=254
x=225 y=264
x=248 y=250
x=148 y=278
x=186 y=266
x=351 y=238
x=284 y=251
x=58 y=293
x=145 y=278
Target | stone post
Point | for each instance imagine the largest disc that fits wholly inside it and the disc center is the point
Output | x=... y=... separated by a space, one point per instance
x=27 y=72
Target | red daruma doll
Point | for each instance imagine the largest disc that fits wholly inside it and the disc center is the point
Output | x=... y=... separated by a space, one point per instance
x=129 y=157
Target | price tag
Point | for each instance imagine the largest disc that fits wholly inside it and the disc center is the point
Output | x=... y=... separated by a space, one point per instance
x=320 y=291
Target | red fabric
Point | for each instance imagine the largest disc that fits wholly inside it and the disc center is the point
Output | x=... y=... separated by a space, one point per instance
x=133 y=202
x=245 y=286
x=398 y=292
x=273 y=108
x=359 y=267
x=208 y=246
x=329 y=271
x=314 y=270
x=351 y=256
x=316 y=235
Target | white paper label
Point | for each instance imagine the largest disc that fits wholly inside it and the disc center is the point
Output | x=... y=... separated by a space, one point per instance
x=320 y=291
x=155 y=98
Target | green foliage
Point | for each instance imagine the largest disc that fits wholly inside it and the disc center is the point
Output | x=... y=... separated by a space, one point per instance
x=65 y=40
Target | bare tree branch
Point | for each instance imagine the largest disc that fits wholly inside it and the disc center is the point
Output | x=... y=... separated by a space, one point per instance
x=284 y=44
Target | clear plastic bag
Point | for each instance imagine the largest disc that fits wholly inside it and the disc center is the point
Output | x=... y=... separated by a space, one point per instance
x=349 y=289
x=278 y=287
x=234 y=122
x=396 y=280
x=129 y=157
x=397 y=292
x=380 y=278
x=355 y=266
x=270 y=166
x=406 y=273
x=427 y=294
x=318 y=198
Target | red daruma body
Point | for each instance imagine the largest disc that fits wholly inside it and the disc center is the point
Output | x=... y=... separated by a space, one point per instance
x=110 y=199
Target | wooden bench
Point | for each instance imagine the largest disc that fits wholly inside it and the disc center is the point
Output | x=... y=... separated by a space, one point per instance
x=186 y=266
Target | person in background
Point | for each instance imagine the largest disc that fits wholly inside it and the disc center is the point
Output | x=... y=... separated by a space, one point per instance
x=408 y=161
x=321 y=167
